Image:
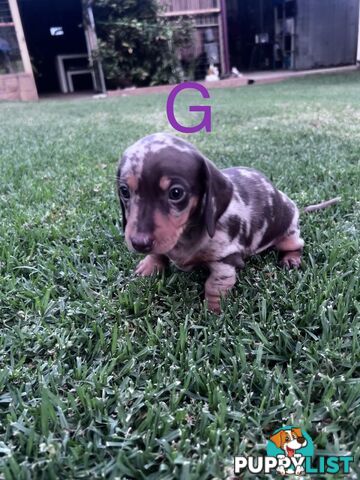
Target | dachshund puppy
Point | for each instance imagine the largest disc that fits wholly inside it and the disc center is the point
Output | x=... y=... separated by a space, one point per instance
x=178 y=206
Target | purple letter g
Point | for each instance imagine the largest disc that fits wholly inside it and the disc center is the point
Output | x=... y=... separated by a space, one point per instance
x=205 y=122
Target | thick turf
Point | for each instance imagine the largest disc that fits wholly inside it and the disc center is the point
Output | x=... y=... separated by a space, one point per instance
x=104 y=375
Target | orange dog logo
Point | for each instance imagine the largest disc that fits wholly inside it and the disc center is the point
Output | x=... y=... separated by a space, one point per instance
x=289 y=441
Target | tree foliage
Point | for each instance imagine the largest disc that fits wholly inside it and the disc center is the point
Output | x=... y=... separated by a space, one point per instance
x=137 y=45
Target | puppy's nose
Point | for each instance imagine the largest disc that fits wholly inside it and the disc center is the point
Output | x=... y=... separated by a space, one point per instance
x=301 y=440
x=142 y=242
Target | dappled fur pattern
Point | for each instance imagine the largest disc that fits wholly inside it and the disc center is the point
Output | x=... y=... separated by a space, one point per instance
x=220 y=218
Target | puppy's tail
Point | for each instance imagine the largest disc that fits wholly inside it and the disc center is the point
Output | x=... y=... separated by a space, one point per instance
x=320 y=206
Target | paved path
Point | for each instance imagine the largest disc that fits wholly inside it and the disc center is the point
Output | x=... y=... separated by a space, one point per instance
x=246 y=79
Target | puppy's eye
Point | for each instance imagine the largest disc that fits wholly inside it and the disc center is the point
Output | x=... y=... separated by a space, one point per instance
x=124 y=191
x=176 y=193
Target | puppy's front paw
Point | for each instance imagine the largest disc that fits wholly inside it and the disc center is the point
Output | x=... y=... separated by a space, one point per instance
x=291 y=259
x=213 y=302
x=150 y=265
x=221 y=280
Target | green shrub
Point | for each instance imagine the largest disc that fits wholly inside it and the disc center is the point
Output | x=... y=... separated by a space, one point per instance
x=137 y=45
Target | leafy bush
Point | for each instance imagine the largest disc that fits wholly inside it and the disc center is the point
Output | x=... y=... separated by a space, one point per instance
x=137 y=45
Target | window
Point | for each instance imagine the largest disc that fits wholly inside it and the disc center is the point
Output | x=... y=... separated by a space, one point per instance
x=10 y=58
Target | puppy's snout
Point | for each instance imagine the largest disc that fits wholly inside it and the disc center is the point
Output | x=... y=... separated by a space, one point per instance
x=301 y=440
x=142 y=242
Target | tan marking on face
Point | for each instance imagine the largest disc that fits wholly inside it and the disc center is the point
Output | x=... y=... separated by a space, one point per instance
x=131 y=225
x=133 y=182
x=164 y=183
x=169 y=228
x=193 y=203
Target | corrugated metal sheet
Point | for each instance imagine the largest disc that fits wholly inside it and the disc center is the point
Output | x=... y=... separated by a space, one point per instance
x=326 y=33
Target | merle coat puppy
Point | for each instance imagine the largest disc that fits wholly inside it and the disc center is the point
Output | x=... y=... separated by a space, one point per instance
x=178 y=206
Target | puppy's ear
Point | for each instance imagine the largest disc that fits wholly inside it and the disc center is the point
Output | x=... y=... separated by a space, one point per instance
x=121 y=203
x=218 y=193
x=278 y=439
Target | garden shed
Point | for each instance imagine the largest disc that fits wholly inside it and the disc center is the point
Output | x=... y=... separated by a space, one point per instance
x=46 y=47
x=210 y=42
x=16 y=73
x=292 y=34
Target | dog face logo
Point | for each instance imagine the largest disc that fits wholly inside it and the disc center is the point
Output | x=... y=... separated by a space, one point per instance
x=289 y=440
x=290 y=445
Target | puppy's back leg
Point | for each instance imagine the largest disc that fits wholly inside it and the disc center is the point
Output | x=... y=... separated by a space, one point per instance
x=290 y=248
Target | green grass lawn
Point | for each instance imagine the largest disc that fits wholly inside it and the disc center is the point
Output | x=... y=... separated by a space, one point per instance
x=104 y=375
